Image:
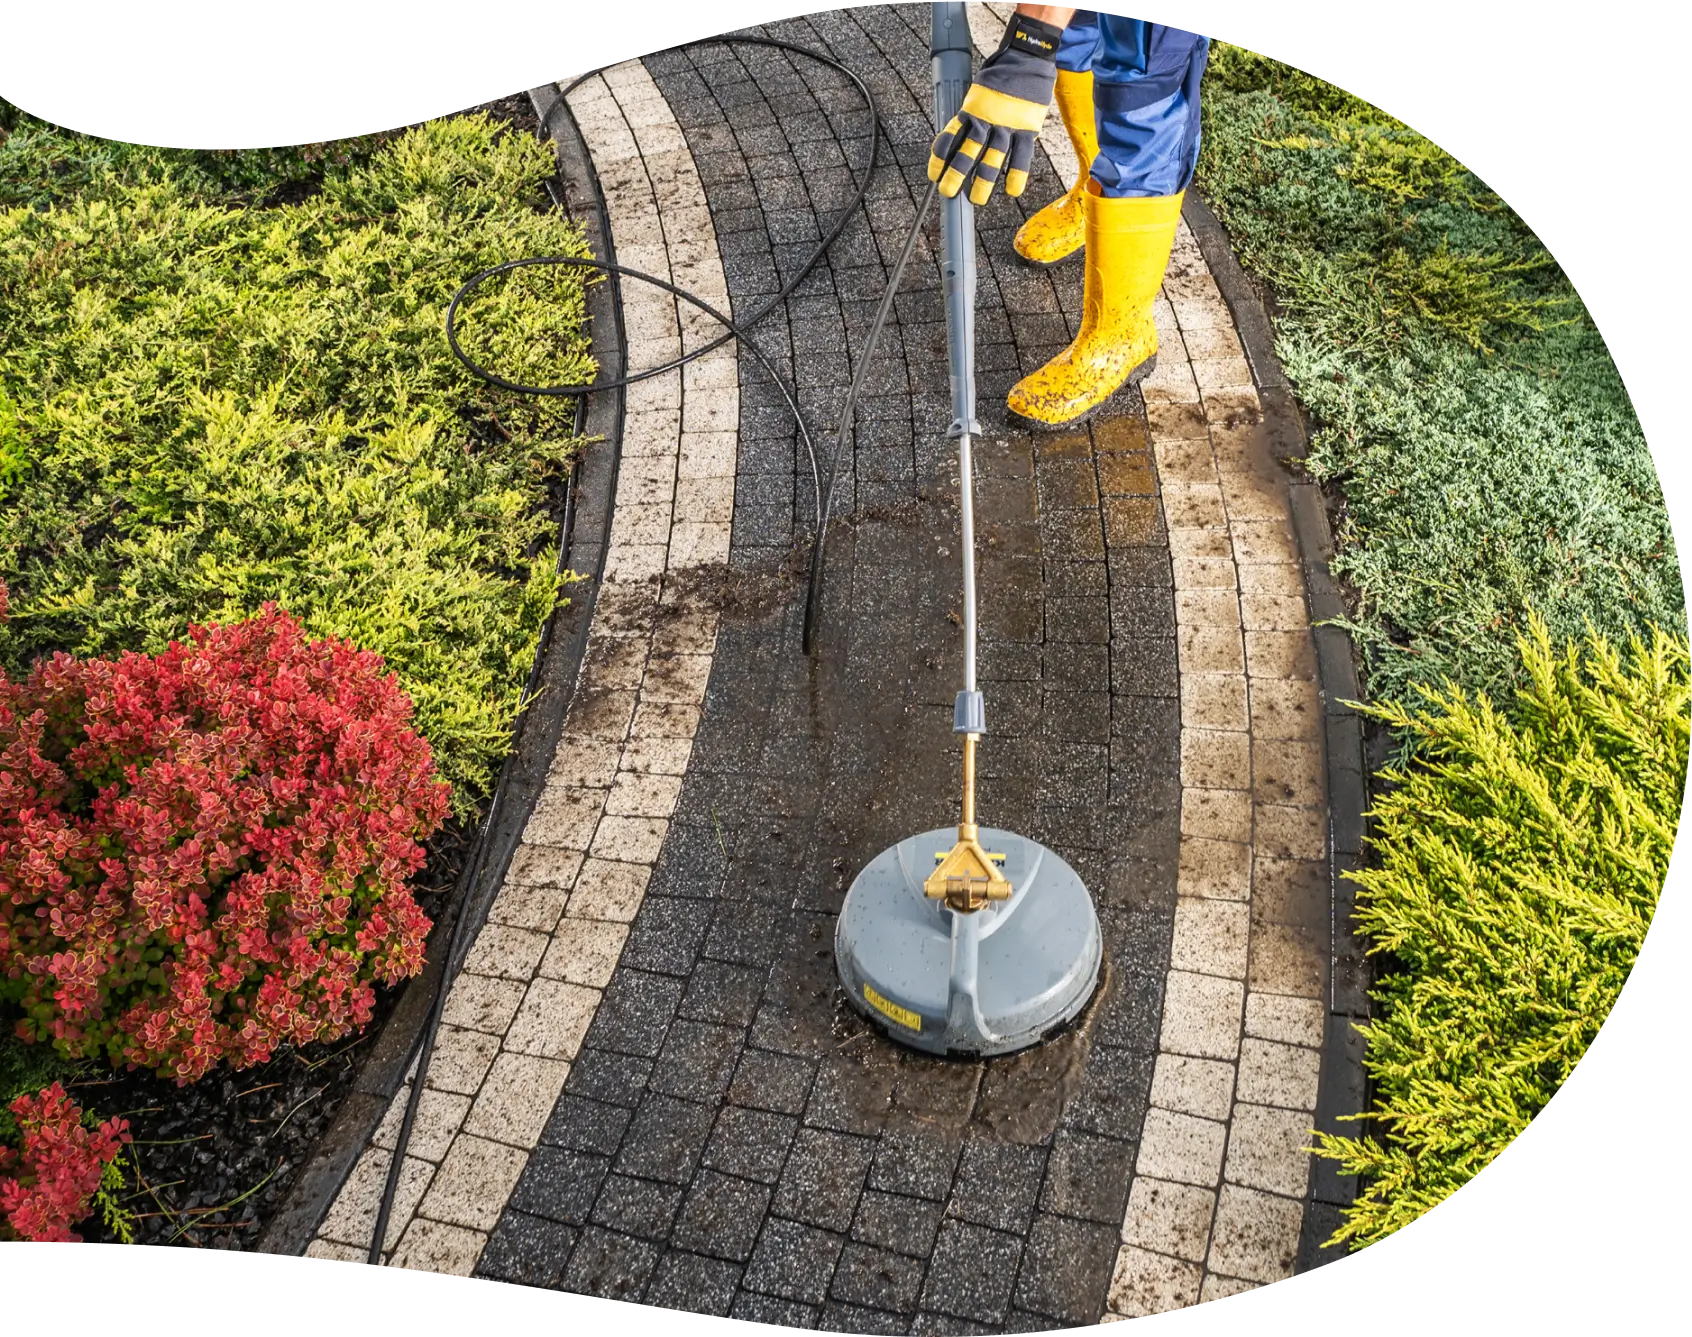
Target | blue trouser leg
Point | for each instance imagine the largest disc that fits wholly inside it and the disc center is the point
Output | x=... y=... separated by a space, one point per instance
x=1080 y=42
x=1146 y=87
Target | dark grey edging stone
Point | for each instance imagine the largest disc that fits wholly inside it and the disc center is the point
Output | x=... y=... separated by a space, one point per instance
x=587 y=527
x=1343 y=1088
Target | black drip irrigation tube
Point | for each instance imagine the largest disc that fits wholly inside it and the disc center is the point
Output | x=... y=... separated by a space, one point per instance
x=822 y=491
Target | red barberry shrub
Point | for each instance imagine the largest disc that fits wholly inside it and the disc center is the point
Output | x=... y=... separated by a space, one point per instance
x=48 y=1183
x=204 y=853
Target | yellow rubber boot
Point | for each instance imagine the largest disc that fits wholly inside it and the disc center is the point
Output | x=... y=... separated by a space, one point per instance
x=1128 y=244
x=1060 y=228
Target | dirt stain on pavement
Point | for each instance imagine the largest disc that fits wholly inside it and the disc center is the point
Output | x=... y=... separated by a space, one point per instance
x=1023 y=1095
x=878 y=703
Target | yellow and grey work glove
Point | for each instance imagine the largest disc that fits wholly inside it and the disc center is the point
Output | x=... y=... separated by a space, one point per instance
x=1002 y=112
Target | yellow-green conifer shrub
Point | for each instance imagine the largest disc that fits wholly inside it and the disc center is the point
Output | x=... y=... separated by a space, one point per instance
x=1517 y=865
x=207 y=404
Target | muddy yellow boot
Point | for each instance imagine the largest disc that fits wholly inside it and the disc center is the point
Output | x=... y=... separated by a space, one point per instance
x=1128 y=245
x=1060 y=228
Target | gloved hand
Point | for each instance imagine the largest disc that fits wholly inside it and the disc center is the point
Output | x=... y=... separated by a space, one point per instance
x=1001 y=113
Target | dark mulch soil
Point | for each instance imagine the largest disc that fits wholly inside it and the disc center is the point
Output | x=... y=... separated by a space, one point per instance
x=516 y=111
x=210 y=1162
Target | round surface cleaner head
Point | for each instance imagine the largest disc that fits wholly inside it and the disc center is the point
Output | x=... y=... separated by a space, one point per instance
x=988 y=982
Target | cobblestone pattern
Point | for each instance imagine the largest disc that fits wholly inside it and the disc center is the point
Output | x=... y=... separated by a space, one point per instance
x=1218 y=1196
x=730 y=1137
x=533 y=981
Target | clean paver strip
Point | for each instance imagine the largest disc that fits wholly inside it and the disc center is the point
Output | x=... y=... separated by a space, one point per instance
x=1253 y=813
x=1234 y=1092
x=648 y=1086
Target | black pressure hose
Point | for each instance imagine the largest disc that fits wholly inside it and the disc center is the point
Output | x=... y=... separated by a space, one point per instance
x=822 y=491
x=822 y=481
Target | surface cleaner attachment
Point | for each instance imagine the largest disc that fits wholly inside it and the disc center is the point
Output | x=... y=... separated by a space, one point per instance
x=966 y=940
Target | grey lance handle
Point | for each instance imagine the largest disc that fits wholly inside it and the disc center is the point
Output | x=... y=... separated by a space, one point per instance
x=954 y=60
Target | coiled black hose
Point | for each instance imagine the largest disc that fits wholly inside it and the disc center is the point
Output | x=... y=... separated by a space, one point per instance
x=823 y=492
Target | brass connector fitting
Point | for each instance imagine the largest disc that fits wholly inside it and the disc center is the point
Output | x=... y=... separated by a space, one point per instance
x=968 y=877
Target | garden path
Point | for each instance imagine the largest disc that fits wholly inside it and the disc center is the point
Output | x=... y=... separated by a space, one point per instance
x=649 y=1085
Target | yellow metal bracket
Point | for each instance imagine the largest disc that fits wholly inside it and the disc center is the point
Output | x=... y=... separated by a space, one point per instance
x=968 y=877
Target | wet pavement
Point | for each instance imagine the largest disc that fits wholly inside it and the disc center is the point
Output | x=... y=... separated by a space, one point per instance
x=649 y=1085
x=732 y=1137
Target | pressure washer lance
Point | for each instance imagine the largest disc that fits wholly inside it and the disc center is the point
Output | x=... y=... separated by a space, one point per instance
x=991 y=946
x=968 y=877
x=1001 y=980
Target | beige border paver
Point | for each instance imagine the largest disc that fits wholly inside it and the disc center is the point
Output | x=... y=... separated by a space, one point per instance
x=534 y=976
x=1243 y=1009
